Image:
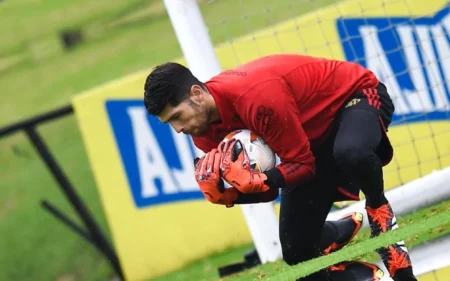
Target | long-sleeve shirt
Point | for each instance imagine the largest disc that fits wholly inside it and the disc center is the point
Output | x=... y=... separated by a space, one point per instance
x=289 y=100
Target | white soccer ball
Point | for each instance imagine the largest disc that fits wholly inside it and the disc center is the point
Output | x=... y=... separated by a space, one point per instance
x=261 y=156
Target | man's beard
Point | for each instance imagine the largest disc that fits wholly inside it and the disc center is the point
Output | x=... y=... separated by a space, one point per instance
x=203 y=117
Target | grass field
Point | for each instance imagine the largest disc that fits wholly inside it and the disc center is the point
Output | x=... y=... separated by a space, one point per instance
x=206 y=270
x=121 y=38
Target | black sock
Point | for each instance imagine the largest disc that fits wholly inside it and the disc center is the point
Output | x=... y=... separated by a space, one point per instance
x=341 y=276
x=330 y=234
x=345 y=228
x=376 y=201
x=404 y=274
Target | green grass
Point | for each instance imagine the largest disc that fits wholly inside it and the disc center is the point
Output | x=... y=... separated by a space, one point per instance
x=423 y=229
x=33 y=243
x=354 y=251
x=122 y=37
x=39 y=19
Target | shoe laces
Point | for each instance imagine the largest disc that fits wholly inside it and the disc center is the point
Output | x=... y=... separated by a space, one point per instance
x=381 y=215
x=397 y=260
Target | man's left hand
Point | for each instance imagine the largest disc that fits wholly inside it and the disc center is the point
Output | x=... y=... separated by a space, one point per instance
x=236 y=170
x=207 y=175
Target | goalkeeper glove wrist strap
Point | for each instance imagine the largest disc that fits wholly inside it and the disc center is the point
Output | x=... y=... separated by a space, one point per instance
x=275 y=178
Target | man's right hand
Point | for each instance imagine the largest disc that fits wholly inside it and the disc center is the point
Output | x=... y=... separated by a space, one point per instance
x=207 y=175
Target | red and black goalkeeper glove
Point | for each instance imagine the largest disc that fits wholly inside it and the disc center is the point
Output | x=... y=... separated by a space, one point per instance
x=207 y=175
x=235 y=168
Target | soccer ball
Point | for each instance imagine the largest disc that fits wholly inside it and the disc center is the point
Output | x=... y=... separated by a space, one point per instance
x=262 y=158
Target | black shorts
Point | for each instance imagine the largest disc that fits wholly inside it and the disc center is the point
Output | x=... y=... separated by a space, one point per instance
x=376 y=100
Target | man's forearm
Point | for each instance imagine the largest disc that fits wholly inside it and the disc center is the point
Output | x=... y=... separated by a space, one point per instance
x=275 y=178
x=289 y=174
x=251 y=198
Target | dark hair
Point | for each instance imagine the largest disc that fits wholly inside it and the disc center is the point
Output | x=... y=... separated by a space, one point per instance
x=168 y=83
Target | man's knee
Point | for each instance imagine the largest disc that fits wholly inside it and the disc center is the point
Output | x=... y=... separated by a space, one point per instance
x=348 y=155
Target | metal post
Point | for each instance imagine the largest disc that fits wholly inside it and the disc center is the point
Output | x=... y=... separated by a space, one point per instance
x=193 y=37
x=72 y=196
x=68 y=222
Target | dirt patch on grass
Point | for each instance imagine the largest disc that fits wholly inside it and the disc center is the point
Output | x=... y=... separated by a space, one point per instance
x=6 y=207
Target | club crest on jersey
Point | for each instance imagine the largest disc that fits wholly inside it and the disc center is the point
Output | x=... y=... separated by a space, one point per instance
x=352 y=102
x=409 y=55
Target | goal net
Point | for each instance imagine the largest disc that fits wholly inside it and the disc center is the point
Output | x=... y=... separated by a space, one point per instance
x=404 y=42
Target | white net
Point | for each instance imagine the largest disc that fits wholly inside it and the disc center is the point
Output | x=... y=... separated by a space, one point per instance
x=405 y=43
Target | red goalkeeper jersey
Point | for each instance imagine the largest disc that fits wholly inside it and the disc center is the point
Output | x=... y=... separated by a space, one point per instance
x=289 y=100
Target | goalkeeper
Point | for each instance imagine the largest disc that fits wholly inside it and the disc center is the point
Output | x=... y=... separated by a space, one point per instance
x=325 y=119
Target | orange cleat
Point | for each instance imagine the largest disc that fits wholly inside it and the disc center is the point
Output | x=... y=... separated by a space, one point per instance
x=395 y=257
